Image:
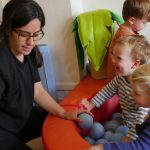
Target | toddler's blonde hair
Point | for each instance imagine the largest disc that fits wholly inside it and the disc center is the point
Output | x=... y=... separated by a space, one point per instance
x=139 y=46
x=141 y=78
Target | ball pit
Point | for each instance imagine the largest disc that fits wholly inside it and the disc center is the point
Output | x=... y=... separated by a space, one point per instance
x=66 y=132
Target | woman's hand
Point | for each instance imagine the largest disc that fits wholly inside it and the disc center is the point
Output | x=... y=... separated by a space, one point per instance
x=73 y=115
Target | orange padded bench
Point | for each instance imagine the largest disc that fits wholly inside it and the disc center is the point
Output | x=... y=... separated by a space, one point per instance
x=61 y=134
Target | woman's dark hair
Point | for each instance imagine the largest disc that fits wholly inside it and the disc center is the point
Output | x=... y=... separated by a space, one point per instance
x=18 y=13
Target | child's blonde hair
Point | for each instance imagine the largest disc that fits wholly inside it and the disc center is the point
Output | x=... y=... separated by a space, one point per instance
x=141 y=78
x=140 y=48
x=136 y=8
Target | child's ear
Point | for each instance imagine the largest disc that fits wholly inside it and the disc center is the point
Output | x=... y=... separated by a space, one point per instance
x=136 y=63
x=131 y=20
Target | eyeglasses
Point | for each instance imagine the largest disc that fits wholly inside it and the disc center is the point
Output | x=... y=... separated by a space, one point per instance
x=24 y=36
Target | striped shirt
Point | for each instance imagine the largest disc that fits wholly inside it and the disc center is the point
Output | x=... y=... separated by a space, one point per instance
x=131 y=113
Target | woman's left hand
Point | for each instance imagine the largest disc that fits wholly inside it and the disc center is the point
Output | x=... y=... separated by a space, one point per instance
x=73 y=115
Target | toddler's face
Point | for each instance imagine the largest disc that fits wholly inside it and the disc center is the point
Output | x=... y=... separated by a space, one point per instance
x=121 y=58
x=141 y=95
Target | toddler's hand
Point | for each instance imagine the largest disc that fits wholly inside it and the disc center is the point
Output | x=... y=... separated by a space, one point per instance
x=86 y=105
x=126 y=139
x=97 y=147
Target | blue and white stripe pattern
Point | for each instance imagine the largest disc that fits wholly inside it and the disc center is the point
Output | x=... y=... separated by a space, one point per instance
x=131 y=113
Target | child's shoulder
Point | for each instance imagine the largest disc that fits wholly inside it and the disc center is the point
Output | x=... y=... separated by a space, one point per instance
x=123 y=31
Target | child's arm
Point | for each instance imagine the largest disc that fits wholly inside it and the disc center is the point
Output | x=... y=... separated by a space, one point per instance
x=88 y=105
x=104 y=94
x=126 y=139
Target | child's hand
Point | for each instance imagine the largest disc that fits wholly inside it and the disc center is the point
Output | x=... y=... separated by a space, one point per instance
x=97 y=147
x=86 y=105
x=126 y=139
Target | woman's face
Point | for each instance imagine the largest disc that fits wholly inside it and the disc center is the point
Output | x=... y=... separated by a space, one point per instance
x=21 y=39
x=141 y=95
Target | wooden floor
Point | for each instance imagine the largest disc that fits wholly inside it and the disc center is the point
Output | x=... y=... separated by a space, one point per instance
x=36 y=144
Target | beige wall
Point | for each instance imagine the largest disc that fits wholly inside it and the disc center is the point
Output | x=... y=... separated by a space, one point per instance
x=60 y=38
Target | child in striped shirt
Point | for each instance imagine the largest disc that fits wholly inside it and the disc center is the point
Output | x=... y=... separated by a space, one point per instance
x=129 y=52
x=140 y=81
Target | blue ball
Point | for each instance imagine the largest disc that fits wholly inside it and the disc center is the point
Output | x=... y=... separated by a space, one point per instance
x=116 y=115
x=89 y=140
x=97 y=131
x=87 y=121
x=111 y=125
x=100 y=141
x=108 y=135
x=116 y=137
x=122 y=129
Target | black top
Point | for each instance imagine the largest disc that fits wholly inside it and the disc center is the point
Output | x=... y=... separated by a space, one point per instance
x=141 y=127
x=16 y=89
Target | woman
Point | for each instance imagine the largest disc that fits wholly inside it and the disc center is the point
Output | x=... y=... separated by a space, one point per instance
x=21 y=28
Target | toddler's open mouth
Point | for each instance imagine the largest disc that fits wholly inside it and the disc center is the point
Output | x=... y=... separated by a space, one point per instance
x=117 y=67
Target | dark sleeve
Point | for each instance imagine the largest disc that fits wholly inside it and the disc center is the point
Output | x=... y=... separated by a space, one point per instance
x=35 y=73
x=2 y=85
x=142 y=143
x=37 y=76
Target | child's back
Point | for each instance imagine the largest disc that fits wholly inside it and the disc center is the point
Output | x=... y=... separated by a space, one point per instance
x=122 y=31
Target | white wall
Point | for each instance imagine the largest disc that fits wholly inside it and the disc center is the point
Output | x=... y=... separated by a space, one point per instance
x=4 y=2
x=60 y=38
x=115 y=6
x=80 y=6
